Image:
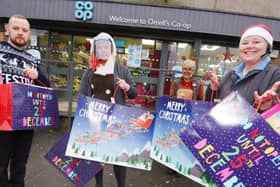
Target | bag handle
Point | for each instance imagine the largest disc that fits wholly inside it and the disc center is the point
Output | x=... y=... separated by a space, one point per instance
x=258 y=106
x=40 y=82
x=274 y=87
x=125 y=94
x=212 y=95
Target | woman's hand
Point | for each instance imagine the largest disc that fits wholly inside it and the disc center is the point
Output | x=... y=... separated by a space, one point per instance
x=31 y=73
x=214 y=80
x=123 y=84
x=265 y=101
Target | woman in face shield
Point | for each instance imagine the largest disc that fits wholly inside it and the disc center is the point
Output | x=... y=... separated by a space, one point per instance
x=101 y=80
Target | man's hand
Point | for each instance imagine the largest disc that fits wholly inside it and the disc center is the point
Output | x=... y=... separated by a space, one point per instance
x=31 y=73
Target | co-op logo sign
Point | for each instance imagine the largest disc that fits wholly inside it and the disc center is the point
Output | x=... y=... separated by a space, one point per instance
x=84 y=10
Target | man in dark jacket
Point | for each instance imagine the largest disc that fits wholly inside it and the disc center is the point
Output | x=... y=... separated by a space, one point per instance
x=20 y=67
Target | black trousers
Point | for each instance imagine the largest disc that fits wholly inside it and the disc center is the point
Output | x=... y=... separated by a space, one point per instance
x=15 y=147
x=120 y=173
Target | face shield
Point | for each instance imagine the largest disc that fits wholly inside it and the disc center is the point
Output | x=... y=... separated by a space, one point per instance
x=102 y=58
x=103 y=49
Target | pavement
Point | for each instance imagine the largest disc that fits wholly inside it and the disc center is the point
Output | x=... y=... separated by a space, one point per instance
x=40 y=173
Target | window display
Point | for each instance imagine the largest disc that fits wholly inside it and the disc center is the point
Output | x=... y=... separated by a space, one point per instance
x=218 y=58
x=65 y=57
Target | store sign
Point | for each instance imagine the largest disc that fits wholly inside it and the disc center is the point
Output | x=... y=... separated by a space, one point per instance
x=151 y=22
x=83 y=10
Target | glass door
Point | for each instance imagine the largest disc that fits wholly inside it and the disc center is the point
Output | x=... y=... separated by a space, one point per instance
x=178 y=53
x=80 y=56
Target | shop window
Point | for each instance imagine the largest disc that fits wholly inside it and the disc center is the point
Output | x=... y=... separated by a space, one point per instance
x=2 y=36
x=59 y=52
x=138 y=53
x=146 y=95
x=81 y=51
x=275 y=57
x=2 y=32
x=178 y=53
x=60 y=68
x=38 y=44
x=221 y=59
x=80 y=56
x=142 y=57
x=38 y=47
x=60 y=47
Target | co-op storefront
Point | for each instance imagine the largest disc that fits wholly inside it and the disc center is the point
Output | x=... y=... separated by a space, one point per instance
x=152 y=41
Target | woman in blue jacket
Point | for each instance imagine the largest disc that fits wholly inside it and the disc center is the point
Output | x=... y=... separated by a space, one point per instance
x=256 y=79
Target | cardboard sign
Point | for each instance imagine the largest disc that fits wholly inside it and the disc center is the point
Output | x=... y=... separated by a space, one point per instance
x=78 y=171
x=24 y=107
x=174 y=115
x=111 y=133
x=235 y=145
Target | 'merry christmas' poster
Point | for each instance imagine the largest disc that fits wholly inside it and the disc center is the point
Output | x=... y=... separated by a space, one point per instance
x=111 y=133
x=174 y=115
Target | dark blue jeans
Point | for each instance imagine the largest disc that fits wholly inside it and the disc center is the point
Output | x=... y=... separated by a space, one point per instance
x=120 y=174
x=15 y=147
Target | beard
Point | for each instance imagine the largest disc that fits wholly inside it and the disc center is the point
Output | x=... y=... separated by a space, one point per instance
x=18 y=42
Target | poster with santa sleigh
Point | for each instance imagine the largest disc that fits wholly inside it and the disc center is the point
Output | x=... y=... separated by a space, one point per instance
x=173 y=115
x=111 y=133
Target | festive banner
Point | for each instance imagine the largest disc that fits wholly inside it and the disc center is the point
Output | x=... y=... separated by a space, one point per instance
x=111 y=133
x=272 y=116
x=25 y=107
x=174 y=115
x=235 y=145
x=78 y=171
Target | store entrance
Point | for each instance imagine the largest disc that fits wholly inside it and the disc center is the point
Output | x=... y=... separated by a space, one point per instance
x=152 y=63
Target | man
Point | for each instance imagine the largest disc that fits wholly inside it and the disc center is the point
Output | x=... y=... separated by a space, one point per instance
x=21 y=67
